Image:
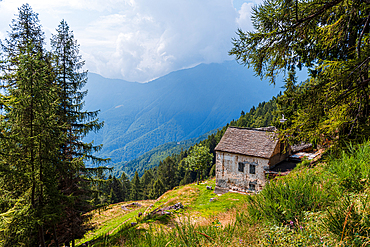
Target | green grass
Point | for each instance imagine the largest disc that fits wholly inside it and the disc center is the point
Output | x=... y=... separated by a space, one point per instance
x=287 y=199
x=325 y=205
x=198 y=210
x=109 y=221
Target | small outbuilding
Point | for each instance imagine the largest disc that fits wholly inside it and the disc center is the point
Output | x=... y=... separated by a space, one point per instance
x=244 y=155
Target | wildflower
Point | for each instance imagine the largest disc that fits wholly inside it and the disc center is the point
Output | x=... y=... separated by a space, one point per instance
x=291 y=223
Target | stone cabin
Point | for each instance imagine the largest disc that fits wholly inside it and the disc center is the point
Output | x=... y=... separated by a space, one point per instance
x=243 y=156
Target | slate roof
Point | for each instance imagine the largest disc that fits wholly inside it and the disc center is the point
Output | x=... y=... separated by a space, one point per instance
x=300 y=147
x=248 y=141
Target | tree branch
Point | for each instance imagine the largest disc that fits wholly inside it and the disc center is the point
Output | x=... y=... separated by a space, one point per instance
x=361 y=35
x=310 y=17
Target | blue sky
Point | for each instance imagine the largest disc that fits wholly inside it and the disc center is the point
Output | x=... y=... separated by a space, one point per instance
x=140 y=40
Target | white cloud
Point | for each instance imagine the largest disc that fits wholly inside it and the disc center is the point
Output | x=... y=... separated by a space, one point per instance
x=139 y=40
x=244 y=20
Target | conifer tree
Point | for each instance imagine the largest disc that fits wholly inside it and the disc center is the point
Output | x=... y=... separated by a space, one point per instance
x=126 y=186
x=158 y=189
x=136 y=190
x=167 y=172
x=330 y=38
x=70 y=79
x=30 y=136
x=147 y=183
x=116 y=187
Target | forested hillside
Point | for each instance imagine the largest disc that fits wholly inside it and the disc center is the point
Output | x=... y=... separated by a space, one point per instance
x=179 y=106
x=173 y=170
x=155 y=156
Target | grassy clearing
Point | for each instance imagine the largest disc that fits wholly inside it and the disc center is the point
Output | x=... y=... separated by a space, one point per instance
x=113 y=224
x=328 y=205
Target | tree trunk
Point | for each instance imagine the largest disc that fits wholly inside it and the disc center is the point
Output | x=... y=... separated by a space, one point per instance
x=55 y=237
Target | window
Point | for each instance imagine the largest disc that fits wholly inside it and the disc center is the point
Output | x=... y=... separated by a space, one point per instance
x=252 y=168
x=241 y=166
x=252 y=186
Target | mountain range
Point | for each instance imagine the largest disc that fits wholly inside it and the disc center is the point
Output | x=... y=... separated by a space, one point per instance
x=182 y=105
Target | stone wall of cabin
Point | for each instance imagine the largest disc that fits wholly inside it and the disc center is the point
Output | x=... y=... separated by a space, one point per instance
x=229 y=177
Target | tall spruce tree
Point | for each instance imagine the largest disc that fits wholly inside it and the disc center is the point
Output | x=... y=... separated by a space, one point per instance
x=30 y=136
x=70 y=79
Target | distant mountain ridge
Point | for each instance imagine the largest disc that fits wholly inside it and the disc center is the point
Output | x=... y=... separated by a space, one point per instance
x=153 y=157
x=179 y=106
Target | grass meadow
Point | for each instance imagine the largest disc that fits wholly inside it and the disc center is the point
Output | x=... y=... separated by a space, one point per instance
x=326 y=204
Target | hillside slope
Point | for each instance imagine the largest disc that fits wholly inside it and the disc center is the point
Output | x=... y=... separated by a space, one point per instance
x=316 y=204
x=179 y=106
x=113 y=224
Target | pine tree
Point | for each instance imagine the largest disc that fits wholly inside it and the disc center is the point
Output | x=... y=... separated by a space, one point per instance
x=117 y=190
x=166 y=172
x=30 y=135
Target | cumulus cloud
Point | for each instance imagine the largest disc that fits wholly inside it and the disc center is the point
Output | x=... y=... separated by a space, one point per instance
x=153 y=38
x=244 y=20
x=138 y=40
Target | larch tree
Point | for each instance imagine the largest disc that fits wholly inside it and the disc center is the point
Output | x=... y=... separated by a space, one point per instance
x=30 y=136
x=331 y=39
